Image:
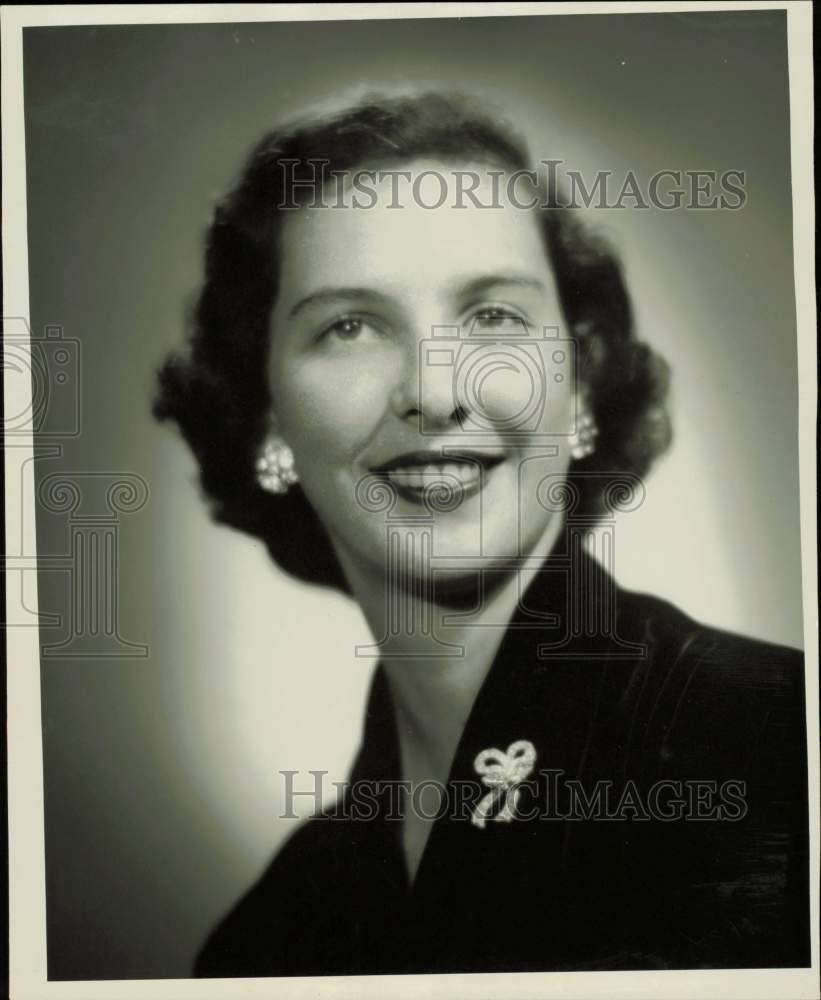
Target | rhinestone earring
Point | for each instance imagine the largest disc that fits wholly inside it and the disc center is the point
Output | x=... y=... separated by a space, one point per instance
x=275 y=466
x=583 y=439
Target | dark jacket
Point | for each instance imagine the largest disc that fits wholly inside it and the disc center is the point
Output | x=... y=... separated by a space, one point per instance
x=663 y=823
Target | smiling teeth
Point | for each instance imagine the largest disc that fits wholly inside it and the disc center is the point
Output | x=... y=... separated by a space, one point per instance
x=419 y=477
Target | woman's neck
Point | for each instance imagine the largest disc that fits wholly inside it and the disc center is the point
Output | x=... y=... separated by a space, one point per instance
x=435 y=664
x=438 y=660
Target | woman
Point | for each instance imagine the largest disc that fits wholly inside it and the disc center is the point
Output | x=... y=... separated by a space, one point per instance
x=421 y=386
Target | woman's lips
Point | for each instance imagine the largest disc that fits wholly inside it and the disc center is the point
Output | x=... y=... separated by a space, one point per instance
x=436 y=480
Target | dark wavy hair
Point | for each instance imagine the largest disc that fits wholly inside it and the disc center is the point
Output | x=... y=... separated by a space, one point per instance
x=217 y=389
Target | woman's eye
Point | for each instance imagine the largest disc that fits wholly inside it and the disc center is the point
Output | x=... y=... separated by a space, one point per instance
x=345 y=329
x=497 y=316
x=348 y=328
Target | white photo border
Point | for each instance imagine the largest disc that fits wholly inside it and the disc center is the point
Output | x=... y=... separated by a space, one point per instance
x=27 y=907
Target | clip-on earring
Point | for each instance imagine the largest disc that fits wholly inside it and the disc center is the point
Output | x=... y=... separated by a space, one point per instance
x=275 y=466
x=582 y=440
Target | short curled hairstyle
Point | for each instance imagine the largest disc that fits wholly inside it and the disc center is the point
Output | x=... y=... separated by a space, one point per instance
x=217 y=389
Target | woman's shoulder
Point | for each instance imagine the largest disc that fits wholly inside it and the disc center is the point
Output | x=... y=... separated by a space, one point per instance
x=710 y=654
x=715 y=694
x=600 y=619
x=718 y=712
x=259 y=936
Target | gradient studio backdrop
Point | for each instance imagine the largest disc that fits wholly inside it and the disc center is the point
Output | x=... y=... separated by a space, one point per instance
x=161 y=787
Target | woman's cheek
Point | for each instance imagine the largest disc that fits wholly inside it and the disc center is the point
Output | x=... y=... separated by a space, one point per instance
x=331 y=408
x=362 y=380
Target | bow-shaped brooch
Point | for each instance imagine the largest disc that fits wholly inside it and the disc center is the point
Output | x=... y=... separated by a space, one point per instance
x=502 y=773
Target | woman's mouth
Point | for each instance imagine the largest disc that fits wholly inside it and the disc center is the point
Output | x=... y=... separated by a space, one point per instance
x=441 y=481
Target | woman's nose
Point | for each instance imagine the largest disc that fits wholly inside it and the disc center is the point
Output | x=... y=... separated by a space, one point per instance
x=426 y=390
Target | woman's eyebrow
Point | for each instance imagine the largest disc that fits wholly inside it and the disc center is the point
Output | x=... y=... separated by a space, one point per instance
x=322 y=295
x=465 y=288
x=482 y=283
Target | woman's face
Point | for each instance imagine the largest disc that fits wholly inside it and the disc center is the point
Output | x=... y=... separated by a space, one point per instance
x=399 y=426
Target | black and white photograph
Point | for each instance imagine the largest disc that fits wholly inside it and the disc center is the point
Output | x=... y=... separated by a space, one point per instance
x=410 y=500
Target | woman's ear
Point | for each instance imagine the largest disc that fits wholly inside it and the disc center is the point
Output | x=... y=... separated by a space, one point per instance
x=580 y=402
x=583 y=438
